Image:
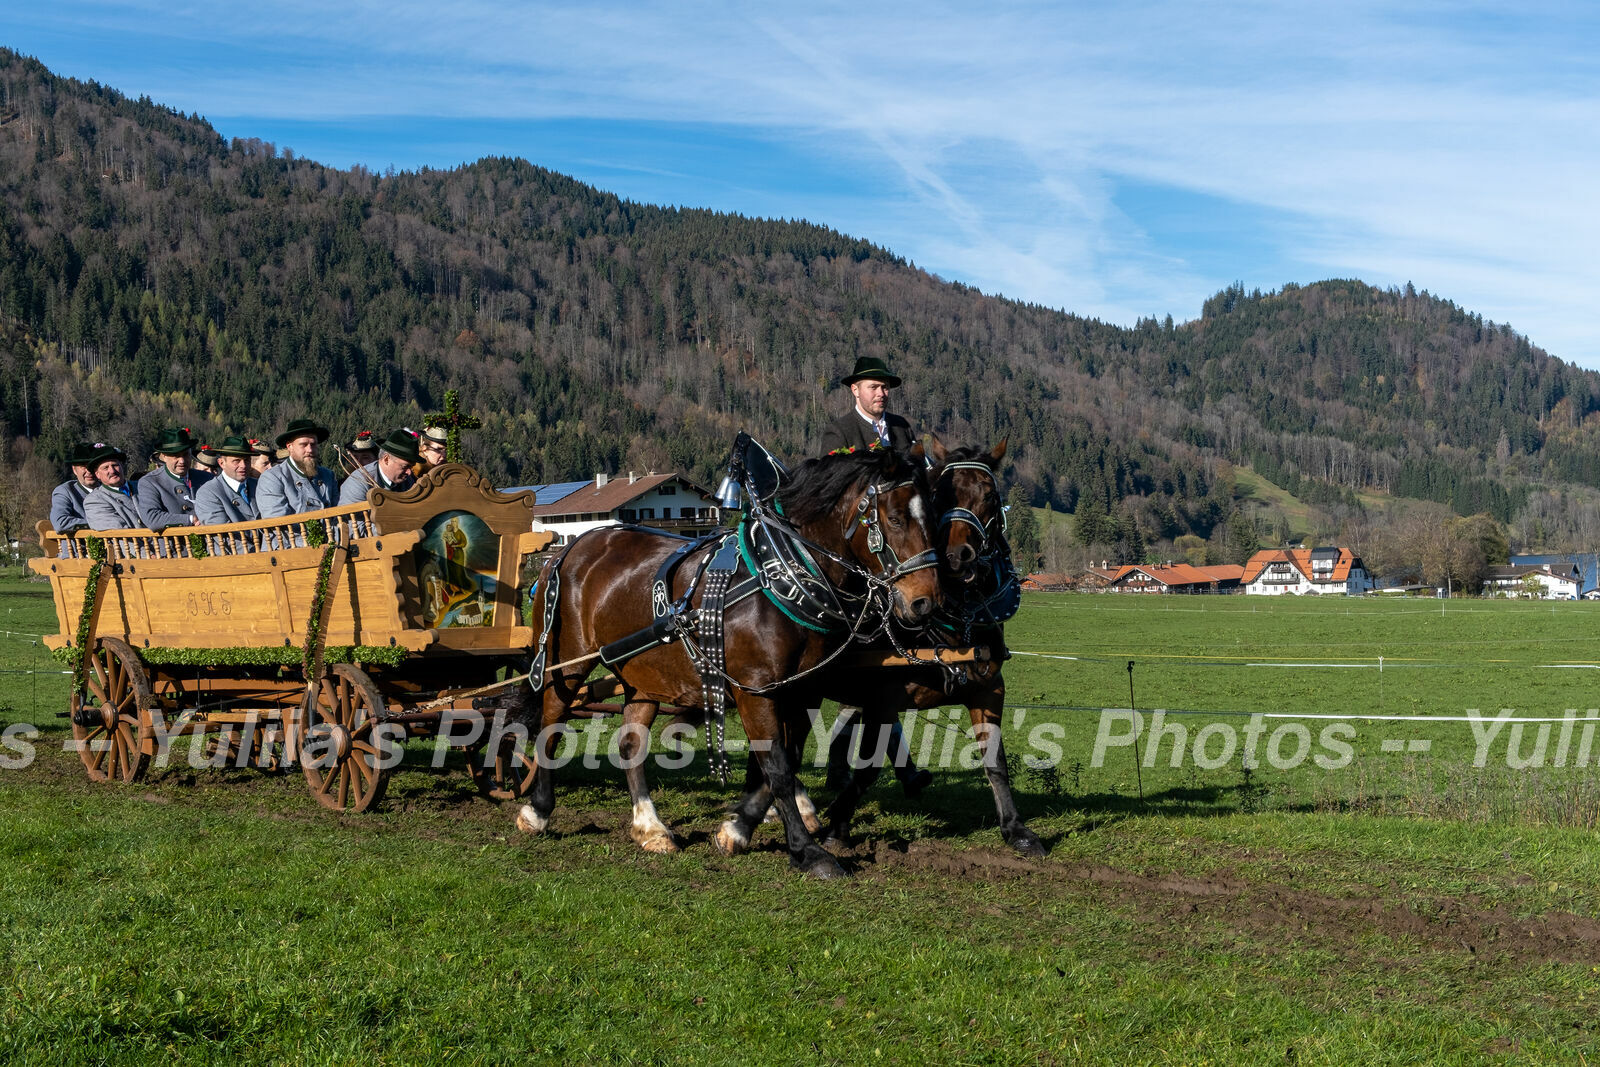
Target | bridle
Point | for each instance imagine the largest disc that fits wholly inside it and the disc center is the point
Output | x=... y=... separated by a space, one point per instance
x=866 y=514
x=987 y=532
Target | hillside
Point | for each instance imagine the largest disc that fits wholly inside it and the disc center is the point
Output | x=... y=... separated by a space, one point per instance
x=151 y=272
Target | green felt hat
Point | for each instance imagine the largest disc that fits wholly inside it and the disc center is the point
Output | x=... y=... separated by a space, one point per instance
x=302 y=428
x=175 y=441
x=103 y=452
x=871 y=367
x=401 y=443
x=233 y=446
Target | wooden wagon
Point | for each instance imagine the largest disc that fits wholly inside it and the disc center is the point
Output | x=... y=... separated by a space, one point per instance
x=321 y=641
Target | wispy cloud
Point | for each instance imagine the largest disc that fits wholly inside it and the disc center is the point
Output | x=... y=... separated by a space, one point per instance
x=1446 y=144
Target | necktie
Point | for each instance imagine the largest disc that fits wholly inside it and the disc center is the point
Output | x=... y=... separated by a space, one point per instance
x=882 y=429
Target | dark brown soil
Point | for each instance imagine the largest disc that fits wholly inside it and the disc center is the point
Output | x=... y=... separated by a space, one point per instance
x=1256 y=908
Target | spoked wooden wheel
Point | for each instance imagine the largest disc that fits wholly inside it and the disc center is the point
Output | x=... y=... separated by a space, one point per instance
x=106 y=725
x=509 y=774
x=340 y=750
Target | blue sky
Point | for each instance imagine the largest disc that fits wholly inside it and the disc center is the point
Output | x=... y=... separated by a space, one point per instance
x=1116 y=161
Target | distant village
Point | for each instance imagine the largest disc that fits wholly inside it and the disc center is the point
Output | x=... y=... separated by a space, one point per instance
x=672 y=502
x=1329 y=570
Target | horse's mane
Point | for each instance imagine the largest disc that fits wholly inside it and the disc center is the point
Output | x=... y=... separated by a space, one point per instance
x=965 y=453
x=817 y=485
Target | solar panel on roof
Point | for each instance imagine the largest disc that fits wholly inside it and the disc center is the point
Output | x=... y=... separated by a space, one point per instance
x=548 y=494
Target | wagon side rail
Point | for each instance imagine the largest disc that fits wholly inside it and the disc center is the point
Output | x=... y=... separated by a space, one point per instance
x=343 y=524
x=235 y=586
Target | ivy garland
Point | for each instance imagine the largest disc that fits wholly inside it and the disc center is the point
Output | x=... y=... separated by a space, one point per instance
x=96 y=548
x=269 y=656
x=317 y=536
x=197 y=547
x=308 y=656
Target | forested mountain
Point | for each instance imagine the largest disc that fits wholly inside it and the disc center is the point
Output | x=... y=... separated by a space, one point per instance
x=152 y=273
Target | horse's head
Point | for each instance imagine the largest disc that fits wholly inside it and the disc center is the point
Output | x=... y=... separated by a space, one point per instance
x=966 y=501
x=872 y=508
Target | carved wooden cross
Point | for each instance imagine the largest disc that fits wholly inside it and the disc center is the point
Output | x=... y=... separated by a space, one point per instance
x=453 y=422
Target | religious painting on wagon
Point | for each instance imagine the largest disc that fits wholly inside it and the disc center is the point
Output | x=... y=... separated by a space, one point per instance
x=457 y=559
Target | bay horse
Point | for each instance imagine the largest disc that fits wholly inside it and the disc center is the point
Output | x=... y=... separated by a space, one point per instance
x=975 y=570
x=867 y=520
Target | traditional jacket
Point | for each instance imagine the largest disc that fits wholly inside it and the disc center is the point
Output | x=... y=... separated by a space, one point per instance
x=850 y=430
x=166 y=500
x=218 y=502
x=282 y=490
x=66 y=507
x=112 y=509
x=367 y=478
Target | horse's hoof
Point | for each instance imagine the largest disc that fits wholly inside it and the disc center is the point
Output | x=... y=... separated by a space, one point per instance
x=728 y=840
x=660 y=843
x=1028 y=845
x=530 y=821
x=826 y=867
x=836 y=837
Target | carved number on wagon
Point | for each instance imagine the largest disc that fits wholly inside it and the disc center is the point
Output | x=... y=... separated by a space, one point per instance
x=210 y=604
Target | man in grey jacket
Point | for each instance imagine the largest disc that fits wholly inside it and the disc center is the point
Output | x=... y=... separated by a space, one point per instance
x=66 y=501
x=231 y=495
x=300 y=484
x=166 y=493
x=112 y=506
x=391 y=470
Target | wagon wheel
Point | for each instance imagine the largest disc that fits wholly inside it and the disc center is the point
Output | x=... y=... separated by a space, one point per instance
x=509 y=776
x=106 y=723
x=340 y=749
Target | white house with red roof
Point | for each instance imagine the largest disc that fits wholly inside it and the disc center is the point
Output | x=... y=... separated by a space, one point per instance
x=1175 y=578
x=664 y=501
x=1306 y=571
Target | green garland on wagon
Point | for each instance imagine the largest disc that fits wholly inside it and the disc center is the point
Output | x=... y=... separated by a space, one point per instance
x=270 y=656
x=79 y=651
x=308 y=655
x=197 y=547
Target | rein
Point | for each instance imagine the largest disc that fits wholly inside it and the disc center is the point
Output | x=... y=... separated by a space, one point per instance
x=872 y=617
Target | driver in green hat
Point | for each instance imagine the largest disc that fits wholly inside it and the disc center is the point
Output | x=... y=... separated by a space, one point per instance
x=869 y=423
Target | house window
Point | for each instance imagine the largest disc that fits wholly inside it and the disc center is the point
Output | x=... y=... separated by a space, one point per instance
x=647 y=513
x=668 y=490
x=628 y=515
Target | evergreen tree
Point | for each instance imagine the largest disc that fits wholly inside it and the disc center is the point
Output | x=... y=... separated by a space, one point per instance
x=1022 y=530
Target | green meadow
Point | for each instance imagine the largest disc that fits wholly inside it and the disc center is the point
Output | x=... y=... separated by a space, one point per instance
x=1426 y=891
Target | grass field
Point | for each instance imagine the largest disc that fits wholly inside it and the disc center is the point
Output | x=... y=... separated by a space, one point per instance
x=1402 y=906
